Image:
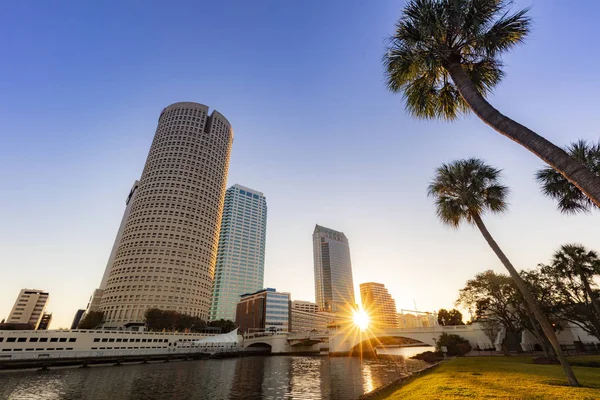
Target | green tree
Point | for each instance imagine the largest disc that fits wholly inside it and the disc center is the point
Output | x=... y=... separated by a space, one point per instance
x=455 y=344
x=445 y=57
x=464 y=190
x=574 y=261
x=225 y=325
x=495 y=299
x=570 y=199
x=91 y=320
x=451 y=317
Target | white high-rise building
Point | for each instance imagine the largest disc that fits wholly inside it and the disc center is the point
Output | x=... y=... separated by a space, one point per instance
x=165 y=251
x=240 y=264
x=334 y=286
x=29 y=307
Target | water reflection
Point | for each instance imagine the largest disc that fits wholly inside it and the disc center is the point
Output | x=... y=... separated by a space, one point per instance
x=276 y=377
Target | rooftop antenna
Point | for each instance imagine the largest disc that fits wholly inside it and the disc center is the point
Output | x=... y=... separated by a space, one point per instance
x=415 y=304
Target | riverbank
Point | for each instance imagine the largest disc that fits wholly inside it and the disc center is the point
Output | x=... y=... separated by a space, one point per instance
x=497 y=378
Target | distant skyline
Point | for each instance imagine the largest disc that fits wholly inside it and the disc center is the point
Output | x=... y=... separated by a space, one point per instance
x=315 y=129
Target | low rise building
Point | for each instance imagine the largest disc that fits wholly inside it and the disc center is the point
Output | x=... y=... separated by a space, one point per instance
x=306 y=306
x=307 y=321
x=265 y=309
x=416 y=319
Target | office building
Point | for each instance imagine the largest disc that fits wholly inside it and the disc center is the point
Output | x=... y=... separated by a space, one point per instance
x=77 y=318
x=379 y=304
x=306 y=306
x=334 y=287
x=29 y=308
x=240 y=266
x=308 y=321
x=165 y=250
x=265 y=309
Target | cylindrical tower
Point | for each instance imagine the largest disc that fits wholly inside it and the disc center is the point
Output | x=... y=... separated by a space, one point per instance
x=167 y=250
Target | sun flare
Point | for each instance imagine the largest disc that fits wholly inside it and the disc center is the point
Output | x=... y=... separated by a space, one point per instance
x=361 y=319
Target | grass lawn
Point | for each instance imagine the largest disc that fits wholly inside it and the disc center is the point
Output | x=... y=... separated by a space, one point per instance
x=499 y=378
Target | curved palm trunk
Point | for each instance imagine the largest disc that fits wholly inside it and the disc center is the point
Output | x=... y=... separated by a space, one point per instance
x=538 y=334
x=577 y=173
x=531 y=302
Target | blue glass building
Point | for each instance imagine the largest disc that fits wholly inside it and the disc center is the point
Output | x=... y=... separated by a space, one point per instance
x=240 y=262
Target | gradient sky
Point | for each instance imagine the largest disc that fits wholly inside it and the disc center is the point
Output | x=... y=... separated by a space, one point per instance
x=82 y=86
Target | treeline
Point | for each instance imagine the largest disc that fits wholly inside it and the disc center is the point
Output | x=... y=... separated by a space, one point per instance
x=166 y=320
x=565 y=290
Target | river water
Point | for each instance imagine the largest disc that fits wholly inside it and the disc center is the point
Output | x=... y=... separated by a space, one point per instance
x=248 y=378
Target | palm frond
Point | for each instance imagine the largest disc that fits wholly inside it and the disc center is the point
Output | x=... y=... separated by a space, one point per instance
x=571 y=200
x=430 y=33
x=464 y=189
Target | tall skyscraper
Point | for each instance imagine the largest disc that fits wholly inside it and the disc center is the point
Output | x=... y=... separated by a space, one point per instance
x=29 y=308
x=334 y=287
x=240 y=264
x=379 y=304
x=165 y=252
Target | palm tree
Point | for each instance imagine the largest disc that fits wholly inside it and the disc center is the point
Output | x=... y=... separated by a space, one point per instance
x=445 y=58
x=464 y=190
x=574 y=260
x=554 y=185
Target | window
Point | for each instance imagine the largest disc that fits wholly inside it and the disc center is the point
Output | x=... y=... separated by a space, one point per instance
x=96 y=339
x=43 y=339
x=22 y=339
x=33 y=339
x=62 y=339
x=54 y=339
x=11 y=339
x=71 y=340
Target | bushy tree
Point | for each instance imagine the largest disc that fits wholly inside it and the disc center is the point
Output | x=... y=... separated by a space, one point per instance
x=455 y=344
x=168 y=320
x=91 y=320
x=450 y=317
x=225 y=325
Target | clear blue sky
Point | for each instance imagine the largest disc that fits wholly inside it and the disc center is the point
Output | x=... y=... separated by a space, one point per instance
x=82 y=85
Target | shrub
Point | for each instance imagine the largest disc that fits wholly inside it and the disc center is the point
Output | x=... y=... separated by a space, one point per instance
x=456 y=345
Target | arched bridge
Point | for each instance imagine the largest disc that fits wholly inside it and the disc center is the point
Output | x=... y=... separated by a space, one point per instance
x=345 y=341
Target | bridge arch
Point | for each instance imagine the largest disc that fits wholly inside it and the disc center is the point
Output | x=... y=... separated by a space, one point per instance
x=260 y=347
x=368 y=344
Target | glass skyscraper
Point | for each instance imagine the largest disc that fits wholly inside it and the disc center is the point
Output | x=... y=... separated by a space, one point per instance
x=334 y=286
x=241 y=253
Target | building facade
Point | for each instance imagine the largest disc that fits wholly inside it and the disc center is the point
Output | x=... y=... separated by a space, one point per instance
x=306 y=306
x=240 y=266
x=45 y=322
x=416 y=319
x=265 y=309
x=29 y=308
x=334 y=286
x=379 y=305
x=308 y=321
x=165 y=253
